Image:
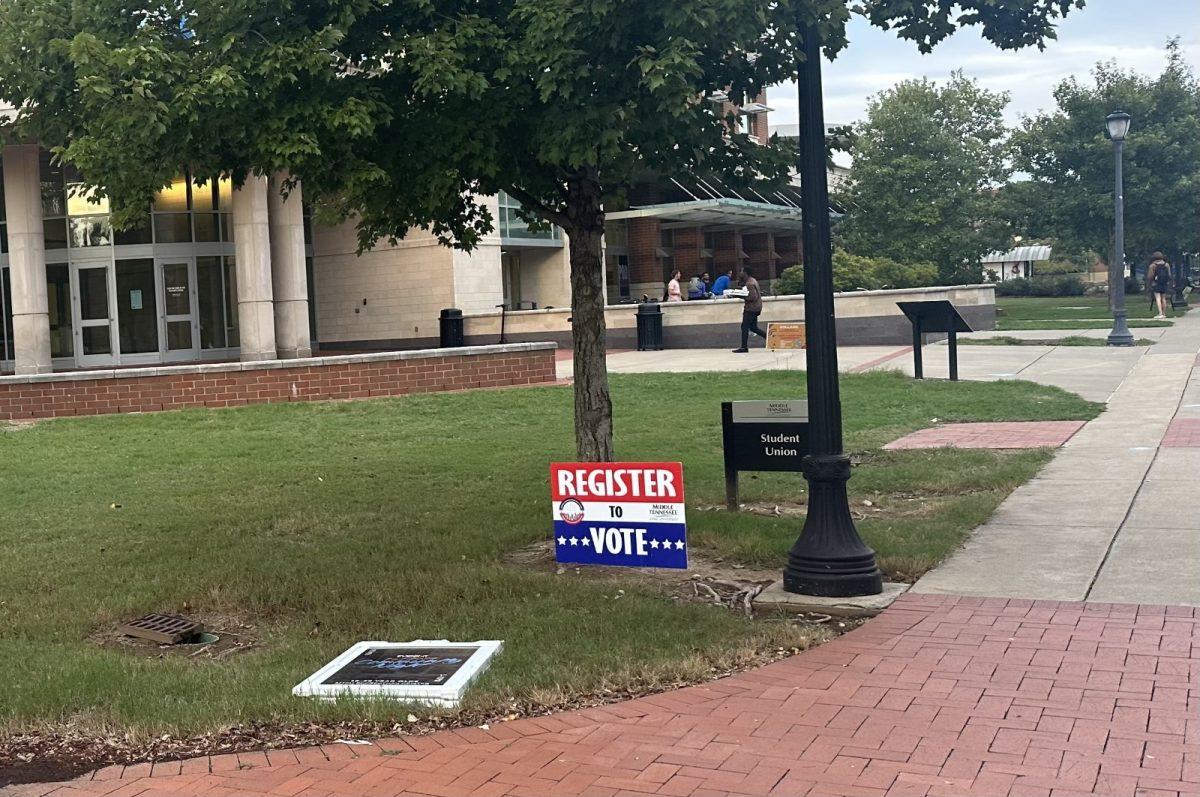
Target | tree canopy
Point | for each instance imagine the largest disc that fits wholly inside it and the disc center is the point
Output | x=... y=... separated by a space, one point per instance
x=402 y=112
x=927 y=161
x=1069 y=158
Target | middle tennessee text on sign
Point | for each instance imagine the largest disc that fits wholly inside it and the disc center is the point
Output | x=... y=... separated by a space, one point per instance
x=619 y=513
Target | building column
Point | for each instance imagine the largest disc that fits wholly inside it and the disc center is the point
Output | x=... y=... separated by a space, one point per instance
x=252 y=253
x=289 y=276
x=26 y=259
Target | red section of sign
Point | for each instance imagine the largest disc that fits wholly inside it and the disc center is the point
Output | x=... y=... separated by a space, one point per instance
x=623 y=482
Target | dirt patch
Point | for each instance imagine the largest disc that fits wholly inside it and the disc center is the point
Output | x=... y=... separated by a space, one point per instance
x=704 y=576
x=235 y=636
x=709 y=580
x=896 y=505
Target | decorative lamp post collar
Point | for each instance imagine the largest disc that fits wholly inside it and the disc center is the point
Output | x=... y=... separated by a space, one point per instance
x=1117 y=124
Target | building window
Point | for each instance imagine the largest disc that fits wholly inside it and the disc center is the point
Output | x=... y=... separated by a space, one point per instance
x=183 y=212
x=511 y=225
x=58 y=292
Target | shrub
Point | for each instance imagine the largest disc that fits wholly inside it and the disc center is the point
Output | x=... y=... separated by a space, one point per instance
x=1055 y=267
x=1014 y=287
x=791 y=281
x=1041 y=286
x=854 y=273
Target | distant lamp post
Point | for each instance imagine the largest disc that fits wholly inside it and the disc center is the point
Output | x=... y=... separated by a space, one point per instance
x=1117 y=124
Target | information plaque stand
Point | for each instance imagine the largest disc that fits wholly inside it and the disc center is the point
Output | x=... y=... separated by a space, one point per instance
x=934 y=316
x=762 y=436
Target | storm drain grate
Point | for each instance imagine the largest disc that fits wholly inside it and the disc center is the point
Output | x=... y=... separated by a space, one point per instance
x=166 y=629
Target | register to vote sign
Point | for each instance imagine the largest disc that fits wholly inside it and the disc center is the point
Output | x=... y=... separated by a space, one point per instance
x=627 y=514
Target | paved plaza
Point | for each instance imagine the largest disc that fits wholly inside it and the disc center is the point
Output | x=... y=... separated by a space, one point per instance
x=1056 y=654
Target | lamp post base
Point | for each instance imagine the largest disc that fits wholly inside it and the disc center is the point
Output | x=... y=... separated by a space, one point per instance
x=829 y=559
x=1120 y=335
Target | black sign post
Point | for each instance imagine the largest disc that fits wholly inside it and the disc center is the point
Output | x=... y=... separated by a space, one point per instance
x=762 y=436
x=934 y=316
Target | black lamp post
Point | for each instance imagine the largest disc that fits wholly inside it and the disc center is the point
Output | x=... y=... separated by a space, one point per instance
x=1117 y=124
x=1179 y=299
x=829 y=558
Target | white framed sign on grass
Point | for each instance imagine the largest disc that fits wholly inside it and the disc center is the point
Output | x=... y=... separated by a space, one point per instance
x=432 y=672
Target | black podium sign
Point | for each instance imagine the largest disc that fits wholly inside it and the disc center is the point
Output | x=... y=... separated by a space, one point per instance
x=934 y=316
x=762 y=436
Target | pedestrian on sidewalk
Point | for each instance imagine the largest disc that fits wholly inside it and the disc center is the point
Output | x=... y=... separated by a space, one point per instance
x=751 y=310
x=674 y=294
x=1158 y=278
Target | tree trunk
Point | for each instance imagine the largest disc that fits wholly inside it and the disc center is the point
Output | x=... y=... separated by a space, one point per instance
x=593 y=404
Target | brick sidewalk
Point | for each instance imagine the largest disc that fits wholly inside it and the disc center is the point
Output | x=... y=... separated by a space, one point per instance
x=937 y=696
x=1182 y=433
x=1010 y=434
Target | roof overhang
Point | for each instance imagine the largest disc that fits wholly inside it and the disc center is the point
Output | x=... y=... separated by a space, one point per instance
x=1021 y=254
x=739 y=212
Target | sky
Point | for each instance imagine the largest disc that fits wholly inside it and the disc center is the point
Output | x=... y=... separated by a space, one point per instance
x=1131 y=31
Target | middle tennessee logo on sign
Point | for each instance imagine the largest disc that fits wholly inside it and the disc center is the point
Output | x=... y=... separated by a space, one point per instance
x=619 y=513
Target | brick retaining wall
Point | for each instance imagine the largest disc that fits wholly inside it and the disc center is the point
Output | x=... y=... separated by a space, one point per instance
x=316 y=379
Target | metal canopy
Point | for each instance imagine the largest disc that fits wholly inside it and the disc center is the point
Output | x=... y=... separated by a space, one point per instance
x=778 y=218
x=1019 y=255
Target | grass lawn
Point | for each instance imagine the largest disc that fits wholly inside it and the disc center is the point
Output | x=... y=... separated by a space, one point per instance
x=327 y=523
x=1070 y=312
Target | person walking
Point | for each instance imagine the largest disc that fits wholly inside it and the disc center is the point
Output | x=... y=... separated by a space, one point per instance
x=674 y=294
x=1158 y=279
x=751 y=311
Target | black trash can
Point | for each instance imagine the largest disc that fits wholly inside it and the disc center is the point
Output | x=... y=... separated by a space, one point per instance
x=450 y=325
x=649 y=327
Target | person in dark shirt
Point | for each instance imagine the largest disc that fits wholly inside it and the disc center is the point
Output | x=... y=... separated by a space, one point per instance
x=751 y=311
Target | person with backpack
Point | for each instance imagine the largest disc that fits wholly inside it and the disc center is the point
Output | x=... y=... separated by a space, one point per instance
x=1158 y=279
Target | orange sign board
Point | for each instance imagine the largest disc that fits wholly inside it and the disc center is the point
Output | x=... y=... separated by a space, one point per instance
x=786 y=335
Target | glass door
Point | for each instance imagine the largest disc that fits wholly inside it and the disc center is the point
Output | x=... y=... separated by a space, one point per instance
x=95 y=342
x=180 y=330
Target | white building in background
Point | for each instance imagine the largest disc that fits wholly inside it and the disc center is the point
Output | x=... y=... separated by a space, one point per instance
x=1018 y=262
x=218 y=273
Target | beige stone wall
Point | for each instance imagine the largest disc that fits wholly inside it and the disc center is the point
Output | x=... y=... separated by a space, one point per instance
x=546 y=276
x=477 y=277
x=387 y=293
x=858 y=304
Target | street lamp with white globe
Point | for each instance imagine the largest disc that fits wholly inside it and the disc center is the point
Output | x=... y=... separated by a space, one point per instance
x=1117 y=125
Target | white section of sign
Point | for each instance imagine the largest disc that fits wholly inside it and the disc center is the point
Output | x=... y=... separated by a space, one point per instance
x=624 y=512
x=448 y=693
x=770 y=411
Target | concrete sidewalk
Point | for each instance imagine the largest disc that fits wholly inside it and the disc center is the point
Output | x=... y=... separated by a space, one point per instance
x=1110 y=518
x=1091 y=372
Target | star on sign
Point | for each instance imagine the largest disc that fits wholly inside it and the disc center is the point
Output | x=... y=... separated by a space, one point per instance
x=574 y=541
x=585 y=542
x=562 y=540
x=653 y=543
x=679 y=545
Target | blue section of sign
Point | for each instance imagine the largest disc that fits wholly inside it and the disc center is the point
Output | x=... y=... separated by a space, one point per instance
x=621 y=544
